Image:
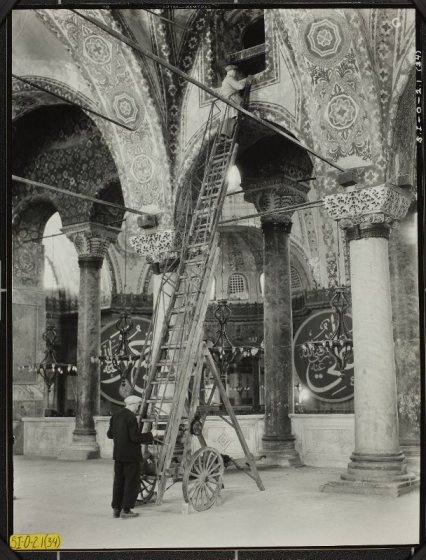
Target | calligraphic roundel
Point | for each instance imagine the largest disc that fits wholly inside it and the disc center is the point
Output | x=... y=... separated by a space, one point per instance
x=111 y=383
x=318 y=373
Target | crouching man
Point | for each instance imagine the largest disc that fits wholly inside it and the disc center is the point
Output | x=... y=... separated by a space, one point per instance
x=127 y=455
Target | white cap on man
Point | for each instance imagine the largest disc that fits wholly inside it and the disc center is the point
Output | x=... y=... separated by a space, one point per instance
x=132 y=399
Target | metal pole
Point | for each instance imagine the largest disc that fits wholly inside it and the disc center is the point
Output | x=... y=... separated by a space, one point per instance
x=68 y=101
x=304 y=206
x=210 y=91
x=76 y=195
x=266 y=188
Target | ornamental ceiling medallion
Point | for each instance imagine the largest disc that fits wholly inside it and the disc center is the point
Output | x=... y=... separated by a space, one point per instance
x=325 y=40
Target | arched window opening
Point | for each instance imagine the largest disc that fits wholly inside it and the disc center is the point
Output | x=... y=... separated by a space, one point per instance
x=296 y=280
x=254 y=34
x=237 y=287
x=252 y=59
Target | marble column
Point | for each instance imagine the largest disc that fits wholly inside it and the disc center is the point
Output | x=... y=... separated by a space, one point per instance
x=278 y=441
x=161 y=250
x=377 y=465
x=91 y=242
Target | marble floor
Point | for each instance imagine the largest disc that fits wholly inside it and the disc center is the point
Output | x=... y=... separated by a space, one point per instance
x=73 y=499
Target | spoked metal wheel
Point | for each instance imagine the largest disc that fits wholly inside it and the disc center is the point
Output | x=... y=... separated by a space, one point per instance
x=202 y=479
x=147 y=488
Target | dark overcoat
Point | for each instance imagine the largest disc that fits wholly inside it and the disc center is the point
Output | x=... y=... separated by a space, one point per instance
x=124 y=430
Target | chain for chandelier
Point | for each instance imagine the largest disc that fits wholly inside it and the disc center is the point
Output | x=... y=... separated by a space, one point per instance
x=121 y=359
x=49 y=368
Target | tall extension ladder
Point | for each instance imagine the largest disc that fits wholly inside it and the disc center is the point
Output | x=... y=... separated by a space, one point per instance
x=176 y=358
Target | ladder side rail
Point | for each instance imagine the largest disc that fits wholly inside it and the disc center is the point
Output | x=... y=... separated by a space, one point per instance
x=209 y=167
x=176 y=413
x=214 y=216
x=222 y=195
x=144 y=356
x=191 y=407
x=155 y=356
x=146 y=349
x=205 y=141
x=181 y=393
x=177 y=356
x=228 y=161
x=234 y=419
x=193 y=403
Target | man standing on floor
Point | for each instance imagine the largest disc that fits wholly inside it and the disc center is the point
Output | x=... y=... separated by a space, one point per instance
x=124 y=430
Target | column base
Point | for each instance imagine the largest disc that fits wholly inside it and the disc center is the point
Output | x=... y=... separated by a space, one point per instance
x=375 y=474
x=82 y=448
x=279 y=453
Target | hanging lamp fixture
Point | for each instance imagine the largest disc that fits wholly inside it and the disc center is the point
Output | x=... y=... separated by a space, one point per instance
x=49 y=367
x=338 y=345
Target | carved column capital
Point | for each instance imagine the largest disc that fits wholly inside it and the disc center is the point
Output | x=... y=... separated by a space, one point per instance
x=158 y=247
x=275 y=194
x=91 y=240
x=383 y=204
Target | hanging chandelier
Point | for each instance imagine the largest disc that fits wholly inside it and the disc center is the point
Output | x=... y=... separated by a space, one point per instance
x=120 y=359
x=49 y=367
x=222 y=349
x=338 y=345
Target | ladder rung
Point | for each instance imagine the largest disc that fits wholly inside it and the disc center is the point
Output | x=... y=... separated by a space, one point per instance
x=160 y=419
x=160 y=400
x=173 y=346
x=194 y=261
x=183 y=277
x=181 y=310
x=202 y=211
x=162 y=380
x=162 y=363
x=190 y=293
x=195 y=245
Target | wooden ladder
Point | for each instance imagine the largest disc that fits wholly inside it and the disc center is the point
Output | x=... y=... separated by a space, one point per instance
x=176 y=357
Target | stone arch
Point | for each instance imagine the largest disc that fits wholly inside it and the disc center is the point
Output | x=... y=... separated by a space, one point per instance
x=70 y=154
x=26 y=98
x=144 y=280
x=122 y=92
x=300 y=263
x=30 y=216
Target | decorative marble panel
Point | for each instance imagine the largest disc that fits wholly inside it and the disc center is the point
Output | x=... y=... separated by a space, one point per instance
x=324 y=440
x=381 y=204
x=47 y=436
x=158 y=246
